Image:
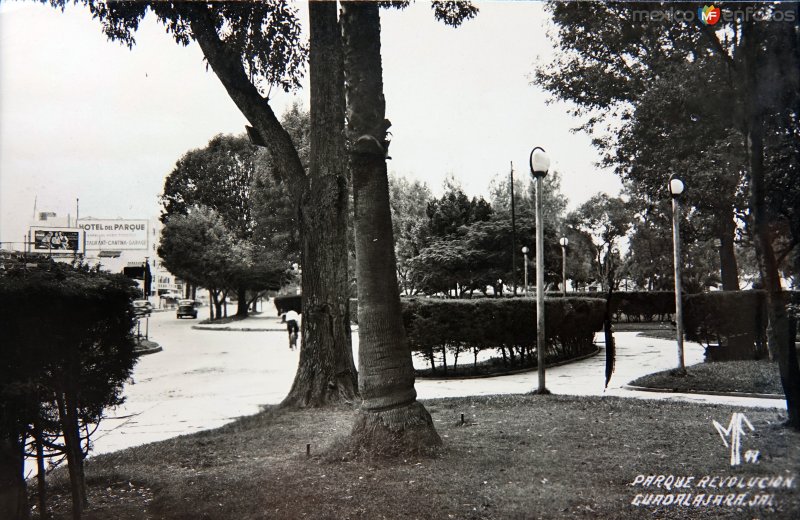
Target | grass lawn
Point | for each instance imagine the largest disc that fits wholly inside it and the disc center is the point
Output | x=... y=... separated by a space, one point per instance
x=517 y=456
x=760 y=377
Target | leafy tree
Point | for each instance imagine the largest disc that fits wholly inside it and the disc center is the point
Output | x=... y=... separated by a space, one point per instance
x=646 y=74
x=752 y=68
x=409 y=201
x=453 y=210
x=199 y=248
x=222 y=176
x=59 y=370
x=252 y=46
x=606 y=220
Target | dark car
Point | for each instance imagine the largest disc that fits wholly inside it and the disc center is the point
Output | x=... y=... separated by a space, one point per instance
x=186 y=308
x=142 y=308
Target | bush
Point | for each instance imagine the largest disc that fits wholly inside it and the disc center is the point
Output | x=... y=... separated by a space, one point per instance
x=634 y=306
x=67 y=351
x=291 y=302
x=437 y=327
x=731 y=324
x=643 y=305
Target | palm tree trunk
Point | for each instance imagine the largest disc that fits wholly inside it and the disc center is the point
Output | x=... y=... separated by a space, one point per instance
x=390 y=419
x=326 y=372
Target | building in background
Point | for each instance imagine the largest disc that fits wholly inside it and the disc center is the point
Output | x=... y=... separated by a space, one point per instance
x=114 y=244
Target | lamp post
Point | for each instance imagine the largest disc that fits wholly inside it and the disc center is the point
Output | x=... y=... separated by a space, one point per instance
x=525 y=256
x=564 y=243
x=676 y=188
x=540 y=164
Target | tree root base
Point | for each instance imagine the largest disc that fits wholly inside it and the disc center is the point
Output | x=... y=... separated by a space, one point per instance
x=404 y=431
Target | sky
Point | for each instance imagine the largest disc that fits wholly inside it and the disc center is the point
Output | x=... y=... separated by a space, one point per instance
x=85 y=118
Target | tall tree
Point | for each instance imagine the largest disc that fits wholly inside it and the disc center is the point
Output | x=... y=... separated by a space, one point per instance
x=409 y=201
x=752 y=67
x=251 y=46
x=326 y=372
x=390 y=417
x=199 y=247
x=222 y=176
x=771 y=70
x=646 y=73
x=606 y=220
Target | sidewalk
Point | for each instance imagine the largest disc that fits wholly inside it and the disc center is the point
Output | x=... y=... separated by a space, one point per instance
x=265 y=321
x=636 y=356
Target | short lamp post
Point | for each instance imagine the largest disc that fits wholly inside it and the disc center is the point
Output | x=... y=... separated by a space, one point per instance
x=525 y=251
x=676 y=188
x=540 y=164
x=564 y=241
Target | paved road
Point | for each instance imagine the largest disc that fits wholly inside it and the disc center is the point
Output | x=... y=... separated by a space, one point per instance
x=206 y=378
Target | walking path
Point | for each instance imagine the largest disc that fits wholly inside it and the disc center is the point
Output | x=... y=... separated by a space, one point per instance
x=636 y=356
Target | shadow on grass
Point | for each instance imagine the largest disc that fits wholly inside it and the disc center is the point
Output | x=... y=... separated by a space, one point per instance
x=513 y=456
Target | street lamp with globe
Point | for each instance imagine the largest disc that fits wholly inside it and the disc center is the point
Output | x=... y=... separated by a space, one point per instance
x=525 y=251
x=540 y=164
x=676 y=188
x=564 y=241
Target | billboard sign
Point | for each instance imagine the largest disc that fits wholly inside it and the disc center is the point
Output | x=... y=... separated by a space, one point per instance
x=115 y=234
x=57 y=240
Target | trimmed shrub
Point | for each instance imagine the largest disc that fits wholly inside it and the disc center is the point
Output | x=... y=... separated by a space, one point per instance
x=643 y=305
x=730 y=324
x=438 y=326
x=290 y=302
x=633 y=306
x=68 y=350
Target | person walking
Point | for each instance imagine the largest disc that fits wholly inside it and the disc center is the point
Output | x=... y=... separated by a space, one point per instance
x=292 y=320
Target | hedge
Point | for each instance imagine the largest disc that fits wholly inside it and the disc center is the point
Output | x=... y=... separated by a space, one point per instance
x=731 y=324
x=632 y=306
x=439 y=326
x=290 y=302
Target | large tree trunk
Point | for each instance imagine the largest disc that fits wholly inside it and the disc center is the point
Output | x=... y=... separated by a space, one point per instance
x=390 y=419
x=729 y=270
x=326 y=354
x=326 y=372
x=781 y=345
x=13 y=495
x=241 y=302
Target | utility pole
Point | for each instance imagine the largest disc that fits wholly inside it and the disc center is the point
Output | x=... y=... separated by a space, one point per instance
x=513 y=236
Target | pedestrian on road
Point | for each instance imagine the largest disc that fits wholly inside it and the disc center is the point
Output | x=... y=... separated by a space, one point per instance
x=292 y=320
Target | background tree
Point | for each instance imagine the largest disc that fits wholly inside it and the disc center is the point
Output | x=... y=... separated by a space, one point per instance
x=638 y=72
x=606 y=220
x=199 y=248
x=222 y=176
x=409 y=201
x=752 y=68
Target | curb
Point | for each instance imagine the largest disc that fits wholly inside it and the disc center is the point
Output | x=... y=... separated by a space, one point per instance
x=353 y=328
x=697 y=392
x=237 y=329
x=146 y=351
x=512 y=372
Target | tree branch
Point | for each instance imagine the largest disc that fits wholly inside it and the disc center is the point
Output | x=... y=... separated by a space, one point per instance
x=231 y=73
x=716 y=45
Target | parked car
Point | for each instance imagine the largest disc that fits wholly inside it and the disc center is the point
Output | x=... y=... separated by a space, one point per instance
x=186 y=308
x=142 y=308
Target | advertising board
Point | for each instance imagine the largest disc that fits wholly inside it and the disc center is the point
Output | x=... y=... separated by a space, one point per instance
x=116 y=234
x=56 y=239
